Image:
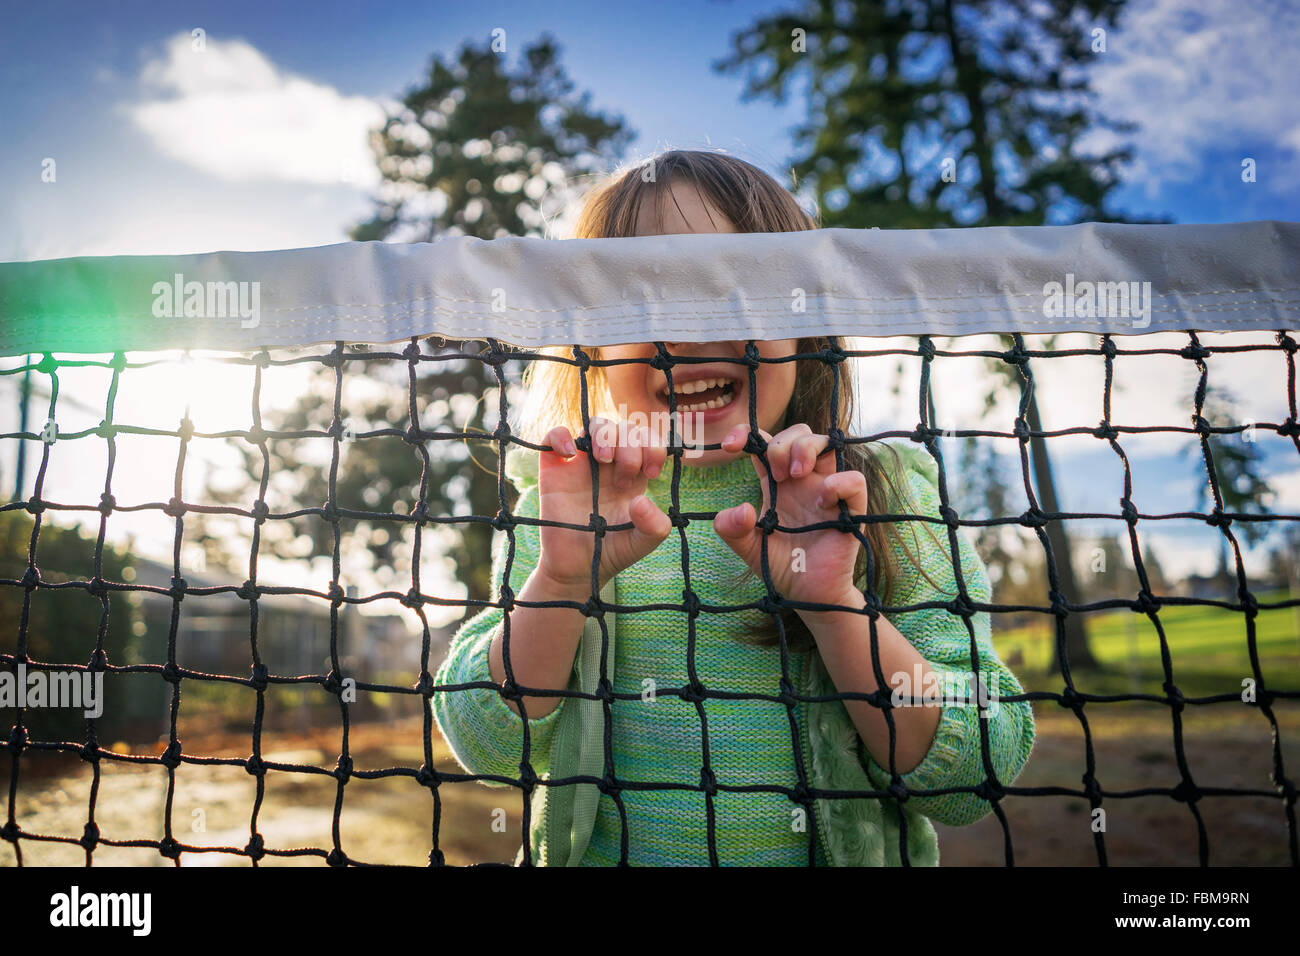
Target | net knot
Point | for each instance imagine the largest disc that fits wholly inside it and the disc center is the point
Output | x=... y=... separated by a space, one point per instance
x=769 y=605
x=171 y=673
x=17 y=742
x=255 y=435
x=332 y=360
x=661 y=361
x=583 y=360
x=801 y=794
x=1289 y=429
x=961 y=606
x=89 y=836
x=596 y=523
x=507 y=597
x=336 y=594
x=47 y=365
x=1105 y=431
x=1021 y=429
x=36 y=507
x=494 y=356
x=175 y=508
x=1249 y=605
x=679 y=520
x=420 y=513
x=412 y=599
x=333 y=683
x=1174 y=696
x=185 y=431
x=708 y=782
x=343 y=769
x=834 y=438
x=106 y=504
x=1217 y=519
x=413 y=435
x=260 y=511
x=690 y=603
x=412 y=351
x=1196 y=351
x=949 y=517
x=753 y=357
x=593 y=607
x=605 y=690
x=426 y=776
x=254 y=766
x=1128 y=510
x=171 y=757
x=925 y=348
x=1060 y=607
x=98 y=660
x=247 y=591
x=424 y=686
x=1288 y=344
x=832 y=354
x=609 y=788
x=1072 y=699
x=260 y=677
x=178 y=588
x=787 y=692
x=504 y=521
x=769 y=521
x=1033 y=518
x=1186 y=792
x=1016 y=355
x=118 y=362
x=31 y=577
x=845 y=522
x=1146 y=603
x=169 y=848
x=336 y=858
x=91 y=752
x=105 y=430
x=9 y=832
x=755 y=444
x=1108 y=349
x=692 y=692
x=527 y=778
x=256 y=847
x=1201 y=425
x=898 y=790
x=97 y=586
x=990 y=790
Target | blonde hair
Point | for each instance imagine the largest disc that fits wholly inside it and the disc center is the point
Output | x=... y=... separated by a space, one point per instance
x=754 y=202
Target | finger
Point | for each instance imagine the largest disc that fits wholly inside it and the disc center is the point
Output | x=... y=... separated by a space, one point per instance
x=650 y=525
x=803 y=455
x=561 y=442
x=738 y=527
x=601 y=431
x=627 y=460
x=654 y=453
x=847 y=486
x=778 y=449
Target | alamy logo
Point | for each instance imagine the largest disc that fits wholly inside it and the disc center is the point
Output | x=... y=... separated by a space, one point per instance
x=208 y=300
x=1100 y=300
x=75 y=689
x=74 y=908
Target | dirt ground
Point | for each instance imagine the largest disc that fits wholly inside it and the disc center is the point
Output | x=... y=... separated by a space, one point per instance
x=391 y=820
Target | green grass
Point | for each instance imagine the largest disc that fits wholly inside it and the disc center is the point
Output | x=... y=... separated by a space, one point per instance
x=1208 y=648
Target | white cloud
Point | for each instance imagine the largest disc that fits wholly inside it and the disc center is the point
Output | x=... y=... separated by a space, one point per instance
x=230 y=112
x=1199 y=74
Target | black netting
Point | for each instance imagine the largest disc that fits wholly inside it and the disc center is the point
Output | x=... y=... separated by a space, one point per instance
x=23 y=747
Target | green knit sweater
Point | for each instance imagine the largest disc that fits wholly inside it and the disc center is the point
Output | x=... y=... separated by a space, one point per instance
x=659 y=739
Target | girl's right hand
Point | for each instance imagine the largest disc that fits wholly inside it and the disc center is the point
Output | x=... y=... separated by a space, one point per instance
x=564 y=495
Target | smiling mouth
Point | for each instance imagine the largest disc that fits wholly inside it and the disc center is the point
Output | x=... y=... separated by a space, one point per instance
x=702 y=395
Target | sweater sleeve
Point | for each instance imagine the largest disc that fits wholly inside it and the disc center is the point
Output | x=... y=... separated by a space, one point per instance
x=942 y=637
x=484 y=734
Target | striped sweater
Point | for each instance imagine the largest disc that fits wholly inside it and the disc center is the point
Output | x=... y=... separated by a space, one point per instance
x=658 y=737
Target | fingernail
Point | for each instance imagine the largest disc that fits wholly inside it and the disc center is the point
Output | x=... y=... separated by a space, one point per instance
x=570 y=448
x=796 y=468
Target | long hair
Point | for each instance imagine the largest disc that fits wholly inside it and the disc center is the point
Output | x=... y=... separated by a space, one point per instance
x=754 y=202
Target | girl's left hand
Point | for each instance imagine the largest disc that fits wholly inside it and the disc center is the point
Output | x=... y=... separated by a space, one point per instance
x=809 y=491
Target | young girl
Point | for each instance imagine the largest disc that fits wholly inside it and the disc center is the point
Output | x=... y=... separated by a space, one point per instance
x=701 y=739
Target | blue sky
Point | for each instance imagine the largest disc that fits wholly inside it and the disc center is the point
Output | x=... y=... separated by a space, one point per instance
x=107 y=90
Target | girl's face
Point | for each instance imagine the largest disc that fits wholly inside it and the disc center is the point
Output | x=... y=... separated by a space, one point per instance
x=713 y=397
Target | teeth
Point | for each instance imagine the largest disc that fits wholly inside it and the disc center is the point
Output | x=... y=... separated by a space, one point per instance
x=690 y=388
